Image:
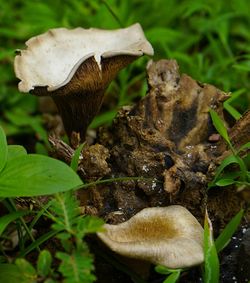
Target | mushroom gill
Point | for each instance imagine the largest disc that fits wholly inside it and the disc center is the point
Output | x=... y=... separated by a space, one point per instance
x=75 y=67
x=169 y=236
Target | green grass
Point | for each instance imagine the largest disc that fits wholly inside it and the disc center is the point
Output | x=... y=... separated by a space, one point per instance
x=210 y=40
x=240 y=178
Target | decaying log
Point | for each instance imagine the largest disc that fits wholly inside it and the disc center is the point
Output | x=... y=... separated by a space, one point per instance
x=169 y=139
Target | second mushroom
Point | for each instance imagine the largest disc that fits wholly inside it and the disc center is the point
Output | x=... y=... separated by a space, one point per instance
x=169 y=236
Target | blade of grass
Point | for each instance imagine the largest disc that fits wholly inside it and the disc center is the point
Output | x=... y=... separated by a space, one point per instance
x=7 y=219
x=227 y=161
x=75 y=158
x=26 y=228
x=229 y=230
x=211 y=263
x=220 y=127
x=38 y=215
x=121 y=179
x=173 y=277
x=38 y=242
x=113 y=13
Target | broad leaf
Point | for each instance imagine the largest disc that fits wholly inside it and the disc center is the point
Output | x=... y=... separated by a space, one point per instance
x=211 y=264
x=33 y=175
x=9 y=273
x=44 y=263
x=229 y=230
x=7 y=219
x=15 y=151
x=3 y=149
x=26 y=269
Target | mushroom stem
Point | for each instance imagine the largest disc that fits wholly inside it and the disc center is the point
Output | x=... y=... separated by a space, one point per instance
x=78 y=110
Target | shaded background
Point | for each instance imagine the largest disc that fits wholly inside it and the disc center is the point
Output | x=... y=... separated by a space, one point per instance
x=209 y=39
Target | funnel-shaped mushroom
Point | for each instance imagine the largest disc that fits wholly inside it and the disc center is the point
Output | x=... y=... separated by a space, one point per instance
x=169 y=236
x=75 y=67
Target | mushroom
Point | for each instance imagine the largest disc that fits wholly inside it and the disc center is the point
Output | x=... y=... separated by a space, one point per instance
x=169 y=236
x=75 y=67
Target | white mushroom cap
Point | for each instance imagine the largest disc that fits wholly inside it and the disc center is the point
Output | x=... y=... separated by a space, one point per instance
x=52 y=58
x=169 y=236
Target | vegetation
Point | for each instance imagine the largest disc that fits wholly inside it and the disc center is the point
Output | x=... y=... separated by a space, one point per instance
x=209 y=39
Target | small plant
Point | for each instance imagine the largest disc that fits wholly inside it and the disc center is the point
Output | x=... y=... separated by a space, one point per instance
x=46 y=176
x=173 y=274
x=76 y=263
x=241 y=177
x=211 y=268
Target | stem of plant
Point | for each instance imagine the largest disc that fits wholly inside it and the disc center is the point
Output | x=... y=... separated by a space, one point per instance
x=23 y=223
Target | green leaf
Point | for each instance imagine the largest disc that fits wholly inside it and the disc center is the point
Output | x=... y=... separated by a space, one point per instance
x=49 y=280
x=7 y=219
x=211 y=263
x=242 y=67
x=163 y=269
x=219 y=126
x=21 y=119
x=33 y=175
x=89 y=224
x=10 y=273
x=229 y=108
x=44 y=263
x=173 y=277
x=232 y=111
x=105 y=118
x=174 y=273
x=3 y=259
x=158 y=34
x=65 y=211
x=3 y=149
x=38 y=242
x=244 y=146
x=26 y=269
x=76 y=267
x=75 y=158
x=15 y=151
x=227 y=161
x=225 y=182
x=228 y=231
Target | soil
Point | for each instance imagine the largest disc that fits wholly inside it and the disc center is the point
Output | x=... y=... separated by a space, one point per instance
x=168 y=139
